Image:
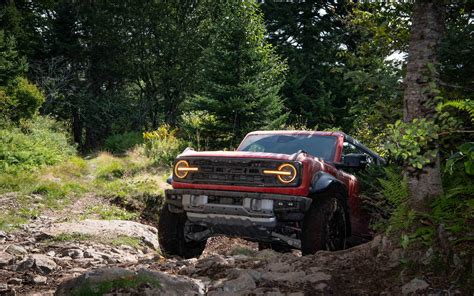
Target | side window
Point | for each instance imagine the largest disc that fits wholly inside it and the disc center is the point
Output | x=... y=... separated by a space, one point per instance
x=348 y=148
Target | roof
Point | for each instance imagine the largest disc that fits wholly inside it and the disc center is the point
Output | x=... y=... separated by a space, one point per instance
x=293 y=132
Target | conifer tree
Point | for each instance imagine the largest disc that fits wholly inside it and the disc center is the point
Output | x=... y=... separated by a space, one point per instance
x=241 y=76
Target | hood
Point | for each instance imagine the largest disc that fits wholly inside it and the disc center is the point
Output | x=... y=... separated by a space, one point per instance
x=241 y=154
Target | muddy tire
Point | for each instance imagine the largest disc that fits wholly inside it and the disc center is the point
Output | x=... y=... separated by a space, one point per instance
x=324 y=225
x=171 y=236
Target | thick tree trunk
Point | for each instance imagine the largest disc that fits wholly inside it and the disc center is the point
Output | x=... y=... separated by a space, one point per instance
x=426 y=34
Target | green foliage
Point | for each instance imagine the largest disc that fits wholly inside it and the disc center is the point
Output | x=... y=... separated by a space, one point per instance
x=466 y=155
x=72 y=237
x=12 y=65
x=463 y=105
x=197 y=127
x=384 y=195
x=21 y=100
x=37 y=142
x=111 y=170
x=106 y=286
x=18 y=97
x=414 y=142
x=242 y=75
x=110 y=212
x=126 y=240
x=163 y=145
x=122 y=142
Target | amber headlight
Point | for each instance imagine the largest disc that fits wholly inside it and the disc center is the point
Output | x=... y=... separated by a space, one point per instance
x=182 y=169
x=286 y=173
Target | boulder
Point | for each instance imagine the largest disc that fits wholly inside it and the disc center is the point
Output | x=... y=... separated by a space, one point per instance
x=107 y=229
x=43 y=263
x=16 y=250
x=38 y=262
x=122 y=281
x=415 y=286
x=243 y=282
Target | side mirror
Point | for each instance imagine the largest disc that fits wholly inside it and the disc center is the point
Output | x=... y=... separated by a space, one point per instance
x=353 y=160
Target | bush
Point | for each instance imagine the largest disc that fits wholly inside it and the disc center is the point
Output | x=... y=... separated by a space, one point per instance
x=21 y=99
x=35 y=143
x=163 y=145
x=123 y=142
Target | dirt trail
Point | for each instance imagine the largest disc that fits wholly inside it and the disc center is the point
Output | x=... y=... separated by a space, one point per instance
x=35 y=260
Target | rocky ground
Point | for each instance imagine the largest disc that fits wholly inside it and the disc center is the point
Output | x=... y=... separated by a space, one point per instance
x=79 y=256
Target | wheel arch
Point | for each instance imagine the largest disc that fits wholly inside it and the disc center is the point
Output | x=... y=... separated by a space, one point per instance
x=324 y=183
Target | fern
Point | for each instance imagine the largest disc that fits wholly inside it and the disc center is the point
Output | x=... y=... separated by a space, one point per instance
x=394 y=187
x=463 y=105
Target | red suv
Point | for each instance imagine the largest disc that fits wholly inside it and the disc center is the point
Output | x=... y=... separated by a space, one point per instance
x=283 y=189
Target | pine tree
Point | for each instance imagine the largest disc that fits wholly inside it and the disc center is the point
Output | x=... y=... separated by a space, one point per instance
x=241 y=76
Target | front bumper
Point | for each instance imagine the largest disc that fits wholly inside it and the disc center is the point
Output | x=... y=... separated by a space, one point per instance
x=244 y=214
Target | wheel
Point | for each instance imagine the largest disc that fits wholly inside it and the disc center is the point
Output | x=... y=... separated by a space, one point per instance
x=275 y=247
x=324 y=225
x=171 y=236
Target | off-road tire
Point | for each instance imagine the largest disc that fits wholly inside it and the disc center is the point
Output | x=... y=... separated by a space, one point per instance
x=171 y=236
x=324 y=225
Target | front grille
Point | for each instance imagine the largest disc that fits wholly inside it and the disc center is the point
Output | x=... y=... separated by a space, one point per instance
x=234 y=171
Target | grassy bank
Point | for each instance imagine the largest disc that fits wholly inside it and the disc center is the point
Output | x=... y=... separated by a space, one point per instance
x=129 y=183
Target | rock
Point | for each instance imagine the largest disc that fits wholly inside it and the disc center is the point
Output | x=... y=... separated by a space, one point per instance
x=395 y=258
x=154 y=282
x=5 y=259
x=15 y=281
x=243 y=282
x=39 y=279
x=321 y=287
x=90 y=253
x=107 y=228
x=457 y=261
x=16 y=250
x=6 y=291
x=51 y=253
x=294 y=276
x=38 y=262
x=317 y=277
x=75 y=253
x=25 y=264
x=3 y=234
x=43 y=263
x=427 y=257
x=415 y=286
x=278 y=267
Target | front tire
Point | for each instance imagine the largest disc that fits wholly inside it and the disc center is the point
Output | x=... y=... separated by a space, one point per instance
x=324 y=225
x=171 y=236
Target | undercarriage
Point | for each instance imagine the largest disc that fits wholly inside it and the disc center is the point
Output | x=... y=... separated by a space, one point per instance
x=259 y=217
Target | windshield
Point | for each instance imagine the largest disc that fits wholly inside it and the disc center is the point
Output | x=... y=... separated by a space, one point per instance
x=319 y=146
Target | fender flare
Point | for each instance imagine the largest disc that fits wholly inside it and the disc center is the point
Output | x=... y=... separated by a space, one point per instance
x=323 y=182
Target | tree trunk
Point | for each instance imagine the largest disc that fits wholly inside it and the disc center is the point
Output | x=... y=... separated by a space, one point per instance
x=426 y=34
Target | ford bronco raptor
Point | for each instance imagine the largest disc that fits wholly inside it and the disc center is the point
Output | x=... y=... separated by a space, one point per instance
x=283 y=189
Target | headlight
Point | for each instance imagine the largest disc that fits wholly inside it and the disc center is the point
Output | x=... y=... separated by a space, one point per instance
x=286 y=173
x=182 y=169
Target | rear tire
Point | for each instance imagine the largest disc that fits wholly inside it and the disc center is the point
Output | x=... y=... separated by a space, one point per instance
x=324 y=225
x=171 y=236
